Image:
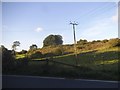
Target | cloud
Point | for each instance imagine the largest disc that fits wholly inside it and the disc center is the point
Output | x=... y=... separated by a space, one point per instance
x=39 y=29
x=115 y=17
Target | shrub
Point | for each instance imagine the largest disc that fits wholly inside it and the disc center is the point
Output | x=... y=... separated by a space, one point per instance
x=80 y=47
x=114 y=42
x=36 y=55
x=23 y=52
x=57 y=52
x=49 y=55
x=105 y=40
x=82 y=42
x=94 y=41
x=22 y=62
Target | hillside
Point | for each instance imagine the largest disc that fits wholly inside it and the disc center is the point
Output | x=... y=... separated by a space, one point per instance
x=95 y=60
x=81 y=46
x=99 y=64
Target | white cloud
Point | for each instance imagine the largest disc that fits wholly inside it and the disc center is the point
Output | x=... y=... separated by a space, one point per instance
x=115 y=17
x=39 y=29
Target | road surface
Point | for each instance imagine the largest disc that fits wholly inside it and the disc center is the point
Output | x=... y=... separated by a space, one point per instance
x=13 y=81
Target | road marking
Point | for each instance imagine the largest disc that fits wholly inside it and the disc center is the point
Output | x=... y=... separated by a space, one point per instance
x=98 y=80
x=33 y=76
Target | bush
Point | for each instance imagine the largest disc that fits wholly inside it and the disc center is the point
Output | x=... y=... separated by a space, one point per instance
x=57 y=52
x=49 y=55
x=105 y=40
x=81 y=47
x=82 y=42
x=22 y=52
x=22 y=62
x=114 y=42
x=36 y=55
x=94 y=41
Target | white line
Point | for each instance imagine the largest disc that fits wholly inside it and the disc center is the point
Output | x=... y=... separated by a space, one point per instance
x=98 y=80
x=60 y=78
x=33 y=76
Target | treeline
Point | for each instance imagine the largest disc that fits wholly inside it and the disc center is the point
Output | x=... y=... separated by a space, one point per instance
x=112 y=42
x=57 y=50
x=52 y=47
x=87 y=45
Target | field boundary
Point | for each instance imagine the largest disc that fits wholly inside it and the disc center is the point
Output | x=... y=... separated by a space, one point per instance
x=47 y=61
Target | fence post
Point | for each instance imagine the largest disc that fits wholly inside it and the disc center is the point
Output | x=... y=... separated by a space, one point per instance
x=47 y=61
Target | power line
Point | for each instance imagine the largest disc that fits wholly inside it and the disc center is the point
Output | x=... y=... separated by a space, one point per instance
x=94 y=15
x=93 y=12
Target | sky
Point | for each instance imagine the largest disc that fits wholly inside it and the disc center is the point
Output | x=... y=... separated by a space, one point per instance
x=31 y=22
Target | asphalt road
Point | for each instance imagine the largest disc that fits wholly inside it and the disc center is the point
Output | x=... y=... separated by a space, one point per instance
x=12 y=81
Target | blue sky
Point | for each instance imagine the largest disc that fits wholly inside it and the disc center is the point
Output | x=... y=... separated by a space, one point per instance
x=31 y=22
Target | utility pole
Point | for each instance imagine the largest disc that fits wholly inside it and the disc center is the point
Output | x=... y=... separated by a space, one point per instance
x=73 y=24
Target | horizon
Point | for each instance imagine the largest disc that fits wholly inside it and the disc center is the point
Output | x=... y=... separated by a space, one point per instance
x=31 y=23
x=64 y=44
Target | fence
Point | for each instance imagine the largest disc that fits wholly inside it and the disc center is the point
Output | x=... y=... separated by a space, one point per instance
x=53 y=61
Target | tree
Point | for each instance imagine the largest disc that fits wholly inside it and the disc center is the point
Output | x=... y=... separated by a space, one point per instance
x=33 y=47
x=114 y=42
x=15 y=44
x=105 y=40
x=14 y=47
x=53 y=40
x=36 y=54
x=8 y=61
x=22 y=52
x=82 y=41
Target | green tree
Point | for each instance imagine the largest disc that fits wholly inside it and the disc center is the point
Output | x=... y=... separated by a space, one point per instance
x=81 y=41
x=8 y=60
x=53 y=40
x=36 y=54
x=33 y=47
x=105 y=40
x=15 y=45
x=22 y=52
x=114 y=42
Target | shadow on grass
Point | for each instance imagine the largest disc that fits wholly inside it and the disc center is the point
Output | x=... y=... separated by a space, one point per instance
x=57 y=70
x=88 y=58
x=84 y=71
x=111 y=55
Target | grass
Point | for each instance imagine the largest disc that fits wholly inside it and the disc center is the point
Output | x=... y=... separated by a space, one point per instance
x=96 y=64
x=18 y=56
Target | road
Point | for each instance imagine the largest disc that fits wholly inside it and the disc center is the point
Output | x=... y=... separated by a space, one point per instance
x=13 y=81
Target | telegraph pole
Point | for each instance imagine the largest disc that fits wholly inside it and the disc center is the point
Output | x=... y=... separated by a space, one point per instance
x=73 y=24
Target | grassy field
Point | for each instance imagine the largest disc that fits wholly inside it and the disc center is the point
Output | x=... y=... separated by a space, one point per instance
x=96 y=64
